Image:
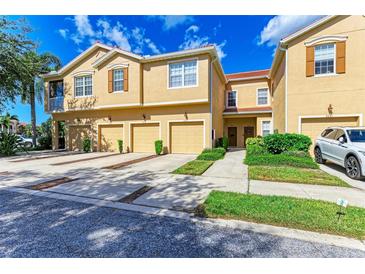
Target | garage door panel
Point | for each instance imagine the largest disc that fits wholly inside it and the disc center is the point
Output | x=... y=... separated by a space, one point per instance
x=186 y=137
x=144 y=137
x=314 y=126
x=76 y=136
x=109 y=136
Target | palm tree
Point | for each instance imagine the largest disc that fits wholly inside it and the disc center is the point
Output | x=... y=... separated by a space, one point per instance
x=6 y=119
x=36 y=64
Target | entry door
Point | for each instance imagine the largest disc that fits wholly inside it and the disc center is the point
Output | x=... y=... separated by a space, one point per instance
x=248 y=132
x=232 y=136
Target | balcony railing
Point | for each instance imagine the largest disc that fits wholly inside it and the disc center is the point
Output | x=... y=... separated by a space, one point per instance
x=56 y=104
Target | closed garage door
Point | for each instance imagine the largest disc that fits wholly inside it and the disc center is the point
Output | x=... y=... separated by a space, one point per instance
x=144 y=137
x=77 y=135
x=314 y=126
x=186 y=137
x=109 y=136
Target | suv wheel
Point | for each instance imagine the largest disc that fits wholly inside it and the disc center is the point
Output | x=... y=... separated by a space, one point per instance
x=353 y=167
x=318 y=156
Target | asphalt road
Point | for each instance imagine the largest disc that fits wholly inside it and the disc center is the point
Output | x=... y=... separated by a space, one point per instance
x=33 y=226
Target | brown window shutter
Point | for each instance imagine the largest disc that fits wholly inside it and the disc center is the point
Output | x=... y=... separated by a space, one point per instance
x=310 y=62
x=110 y=81
x=125 y=79
x=340 y=57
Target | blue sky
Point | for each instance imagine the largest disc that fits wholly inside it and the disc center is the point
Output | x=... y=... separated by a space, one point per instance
x=243 y=42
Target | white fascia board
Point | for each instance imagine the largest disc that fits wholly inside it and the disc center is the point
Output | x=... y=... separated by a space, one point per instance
x=181 y=53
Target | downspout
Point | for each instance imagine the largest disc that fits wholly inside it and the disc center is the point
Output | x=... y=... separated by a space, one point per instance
x=211 y=100
x=286 y=86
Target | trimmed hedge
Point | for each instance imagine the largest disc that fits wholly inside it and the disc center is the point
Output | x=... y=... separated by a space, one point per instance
x=212 y=154
x=278 y=143
x=158 y=146
x=120 y=146
x=86 y=144
x=280 y=160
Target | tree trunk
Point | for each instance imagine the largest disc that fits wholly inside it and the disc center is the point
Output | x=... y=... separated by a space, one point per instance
x=33 y=116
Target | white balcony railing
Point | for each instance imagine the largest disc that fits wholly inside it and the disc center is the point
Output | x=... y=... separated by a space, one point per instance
x=55 y=104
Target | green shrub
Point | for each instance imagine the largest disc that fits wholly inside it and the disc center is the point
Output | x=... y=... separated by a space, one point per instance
x=219 y=150
x=297 y=153
x=158 y=146
x=278 y=143
x=218 y=142
x=280 y=160
x=86 y=144
x=120 y=146
x=210 y=156
x=255 y=141
x=256 y=150
x=225 y=142
x=45 y=142
x=9 y=143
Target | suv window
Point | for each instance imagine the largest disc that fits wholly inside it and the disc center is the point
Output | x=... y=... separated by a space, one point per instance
x=329 y=133
x=341 y=133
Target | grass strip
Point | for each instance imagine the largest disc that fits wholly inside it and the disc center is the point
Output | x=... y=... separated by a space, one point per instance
x=195 y=167
x=294 y=175
x=312 y=215
x=280 y=160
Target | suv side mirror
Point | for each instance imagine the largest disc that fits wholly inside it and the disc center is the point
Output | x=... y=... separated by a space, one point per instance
x=342 y=140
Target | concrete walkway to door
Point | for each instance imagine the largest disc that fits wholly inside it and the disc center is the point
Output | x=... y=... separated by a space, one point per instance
x=229 y=167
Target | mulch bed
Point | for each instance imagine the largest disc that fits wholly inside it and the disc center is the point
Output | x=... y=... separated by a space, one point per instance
x=83 y=160
x=52 y=183
x=131 y=162
x=133 y=196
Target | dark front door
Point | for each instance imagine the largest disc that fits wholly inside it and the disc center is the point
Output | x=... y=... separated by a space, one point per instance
x=232 y=136
x=248 y=132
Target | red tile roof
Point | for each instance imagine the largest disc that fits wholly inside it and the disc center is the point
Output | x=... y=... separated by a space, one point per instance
x=254 y=109
x=248 y=74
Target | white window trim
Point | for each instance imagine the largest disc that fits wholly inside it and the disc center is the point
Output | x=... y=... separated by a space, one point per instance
x=257 y=97
x=83 y=87
x=178 y=62
x=119 y=91
x=227 y=92
x=334 y=61
x=262 y=126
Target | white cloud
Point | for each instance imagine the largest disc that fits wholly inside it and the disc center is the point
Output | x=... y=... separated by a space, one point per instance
x=116 y=34
x=281 y=26
x=171 y=21
x=193 y=40
x=63 y=32
x=83 y=25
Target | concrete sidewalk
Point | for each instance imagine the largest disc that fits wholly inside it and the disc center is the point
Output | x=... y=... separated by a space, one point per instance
x=229 y=167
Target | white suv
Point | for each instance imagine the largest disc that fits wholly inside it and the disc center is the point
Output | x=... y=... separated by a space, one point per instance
x=344 y=146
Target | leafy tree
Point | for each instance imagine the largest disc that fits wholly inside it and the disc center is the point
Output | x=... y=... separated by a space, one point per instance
x=32 y=86
x=13 y=45
x=5 y=120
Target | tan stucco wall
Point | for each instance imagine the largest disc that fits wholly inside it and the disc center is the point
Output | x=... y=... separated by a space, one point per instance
x=218 y=103
x=135 y=115
x=278 y=102
x=247 y=92
x=345 y=92
x=155 y=82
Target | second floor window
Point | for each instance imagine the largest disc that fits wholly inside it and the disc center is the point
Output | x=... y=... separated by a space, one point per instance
x=262 y=96
x=232 y=99
x=183 y=74
x=83 y=86
x=324 y=58
x=118 y=79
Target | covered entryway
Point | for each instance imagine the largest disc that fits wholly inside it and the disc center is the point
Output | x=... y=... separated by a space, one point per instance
x=186 y=137
x=109 y=136
x=144 y=137
x=232 y=136
x=76 y=136
x=313 y=127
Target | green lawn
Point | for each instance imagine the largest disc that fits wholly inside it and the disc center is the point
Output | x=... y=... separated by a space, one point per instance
x=294 y=175
x=298 y=213
x=195 y=167
x=280 y=160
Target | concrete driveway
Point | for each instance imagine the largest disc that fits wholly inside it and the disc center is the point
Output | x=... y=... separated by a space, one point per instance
x=170 y=191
